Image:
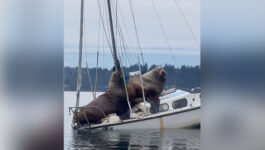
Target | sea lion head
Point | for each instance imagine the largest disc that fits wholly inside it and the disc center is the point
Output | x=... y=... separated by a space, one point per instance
x=116 y=84
x=116 y=77
x=158 y=74
x=162 y=75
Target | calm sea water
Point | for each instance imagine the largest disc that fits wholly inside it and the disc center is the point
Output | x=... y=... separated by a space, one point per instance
x=175 y=139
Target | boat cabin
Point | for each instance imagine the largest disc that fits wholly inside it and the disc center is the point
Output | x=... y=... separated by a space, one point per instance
x=178 y=99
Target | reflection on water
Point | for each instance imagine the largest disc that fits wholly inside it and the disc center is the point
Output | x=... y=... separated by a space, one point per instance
x=169 y=139
x=180 y=139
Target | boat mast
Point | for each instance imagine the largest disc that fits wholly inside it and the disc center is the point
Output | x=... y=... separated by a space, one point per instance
x=116 y=61
x=79 y=80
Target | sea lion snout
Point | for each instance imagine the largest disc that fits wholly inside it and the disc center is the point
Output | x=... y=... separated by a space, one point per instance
x=163 y=75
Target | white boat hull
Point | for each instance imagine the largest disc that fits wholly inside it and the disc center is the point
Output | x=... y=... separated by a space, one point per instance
x=184 y=118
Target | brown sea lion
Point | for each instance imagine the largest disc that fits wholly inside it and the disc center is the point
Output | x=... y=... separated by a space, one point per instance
x=112 y=101
x=153 y=83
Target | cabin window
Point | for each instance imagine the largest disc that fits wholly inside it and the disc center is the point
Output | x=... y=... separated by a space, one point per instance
x=179 y=103
x=163 y=107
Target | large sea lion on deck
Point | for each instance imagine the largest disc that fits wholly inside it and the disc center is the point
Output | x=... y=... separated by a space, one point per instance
x=112 y=101
x=153 y=83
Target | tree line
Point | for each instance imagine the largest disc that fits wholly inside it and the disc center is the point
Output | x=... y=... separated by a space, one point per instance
x=184 y=77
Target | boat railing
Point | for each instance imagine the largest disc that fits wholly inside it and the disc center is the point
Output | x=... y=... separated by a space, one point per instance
x=78 y=108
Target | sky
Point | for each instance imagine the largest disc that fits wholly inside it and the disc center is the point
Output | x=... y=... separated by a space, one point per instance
x=184 y=50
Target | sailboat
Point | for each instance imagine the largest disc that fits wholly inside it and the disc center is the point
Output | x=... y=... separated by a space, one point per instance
x=178 y=108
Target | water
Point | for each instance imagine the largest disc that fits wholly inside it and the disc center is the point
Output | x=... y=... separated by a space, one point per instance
x=171 y=139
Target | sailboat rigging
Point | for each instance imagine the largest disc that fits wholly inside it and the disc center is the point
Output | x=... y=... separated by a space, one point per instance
x=189 y=113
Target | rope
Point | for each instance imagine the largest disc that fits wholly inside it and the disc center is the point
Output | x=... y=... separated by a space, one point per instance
x=126 y=29
x=163 y=31
x=89 y=78
x=103 y=47
x=116 y=15
x=88 y=73
x=142 y=84
x=123 y=44
x=136 y=31
x=99 y=7
x=187 y=24
x=127 y=95
x=95 y=92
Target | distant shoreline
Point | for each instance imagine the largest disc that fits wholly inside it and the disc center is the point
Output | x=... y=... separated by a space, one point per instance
x=185 y=77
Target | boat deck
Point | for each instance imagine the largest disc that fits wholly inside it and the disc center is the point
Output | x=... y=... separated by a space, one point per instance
x=157 y=116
